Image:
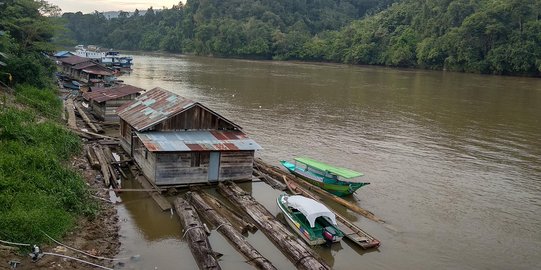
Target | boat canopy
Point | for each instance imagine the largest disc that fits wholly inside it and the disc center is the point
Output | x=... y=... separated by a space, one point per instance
x=310 y=209
x=343 y=172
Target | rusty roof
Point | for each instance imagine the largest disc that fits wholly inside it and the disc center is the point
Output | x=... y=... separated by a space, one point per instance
x=98 y=70
x=197 y=141
x=74 y=60
x=157 y=105
x=105 y=94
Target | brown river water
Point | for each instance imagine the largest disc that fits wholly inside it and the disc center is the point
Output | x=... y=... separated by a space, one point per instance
x=454 y=160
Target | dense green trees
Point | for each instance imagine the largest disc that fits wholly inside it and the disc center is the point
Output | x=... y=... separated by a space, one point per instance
x=486 y=36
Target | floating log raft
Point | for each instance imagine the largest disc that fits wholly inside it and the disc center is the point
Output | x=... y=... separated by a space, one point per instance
x=89 y=122
x=195 y=235
x=269 y=180
x=240 y=223
x=350 y=230
x=295 y=249
x=226 y=229
x=277 y=173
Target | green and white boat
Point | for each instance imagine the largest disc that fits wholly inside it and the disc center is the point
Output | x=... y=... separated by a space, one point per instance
x=310 y=219
x=336 y=180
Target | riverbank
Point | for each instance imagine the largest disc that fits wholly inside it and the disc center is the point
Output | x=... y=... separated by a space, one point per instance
x=47 y=187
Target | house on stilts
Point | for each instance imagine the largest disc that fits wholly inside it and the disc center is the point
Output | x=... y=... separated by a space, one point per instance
x=177 y=141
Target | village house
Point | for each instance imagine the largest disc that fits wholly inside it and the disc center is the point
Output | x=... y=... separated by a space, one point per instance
x=84 y=69
x=105 y=102
x=177 y=141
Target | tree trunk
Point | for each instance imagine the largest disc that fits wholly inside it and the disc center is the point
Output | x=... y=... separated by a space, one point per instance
x=195 y=235
x=85 y=117
x=226 y=229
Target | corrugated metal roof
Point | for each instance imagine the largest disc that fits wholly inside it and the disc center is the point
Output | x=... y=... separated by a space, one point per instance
x=105 y=94
x=195 y=141
x=74 y=60
x=155 y=106
x=98 y=70
x=62 y=53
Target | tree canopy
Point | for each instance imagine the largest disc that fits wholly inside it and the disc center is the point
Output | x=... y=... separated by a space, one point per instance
x=484 y=36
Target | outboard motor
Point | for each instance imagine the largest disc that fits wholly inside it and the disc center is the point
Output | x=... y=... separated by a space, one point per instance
x=329 y=233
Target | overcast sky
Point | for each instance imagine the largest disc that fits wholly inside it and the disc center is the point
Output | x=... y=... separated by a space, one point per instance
x=87 y=6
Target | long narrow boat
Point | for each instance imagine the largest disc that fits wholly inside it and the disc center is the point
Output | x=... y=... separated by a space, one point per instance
x=336 y=180
x=350 y=230
x=310 y=219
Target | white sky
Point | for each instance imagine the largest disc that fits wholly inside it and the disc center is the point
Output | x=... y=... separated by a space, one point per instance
x=88 y=6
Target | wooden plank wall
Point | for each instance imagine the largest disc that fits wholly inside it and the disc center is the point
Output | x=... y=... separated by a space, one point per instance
x=176 y=168
x=196 y=118
x=145 y=159
x=236 y=165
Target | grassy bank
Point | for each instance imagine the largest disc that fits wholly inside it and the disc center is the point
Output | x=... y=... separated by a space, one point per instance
x=38 y=189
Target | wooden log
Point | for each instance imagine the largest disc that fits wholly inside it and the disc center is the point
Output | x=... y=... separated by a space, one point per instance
x=72 y=121
x=92 y=159
x=277 y=173
x=269 y=180
x=240 y=223
x=89 y=122
x=114 y=175
x=195 y=235
x=302 y=256
x=103 y=164
x=226 y=229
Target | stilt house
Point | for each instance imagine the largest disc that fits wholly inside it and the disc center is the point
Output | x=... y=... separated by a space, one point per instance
x=177 y=141
x=106 y=101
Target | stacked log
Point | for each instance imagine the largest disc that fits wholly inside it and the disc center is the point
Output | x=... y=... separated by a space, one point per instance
x=103 y=164
x=295 y=249
x=226 y=229
x=196 y=237
x=92 y=159
x=240 y=223
x=89 y=122
x=279 y=174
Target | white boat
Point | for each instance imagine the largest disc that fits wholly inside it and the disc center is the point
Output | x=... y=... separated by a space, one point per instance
x=311 y=220
x=108 y=58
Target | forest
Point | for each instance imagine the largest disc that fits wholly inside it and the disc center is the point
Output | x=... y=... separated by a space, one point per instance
x=480 y=36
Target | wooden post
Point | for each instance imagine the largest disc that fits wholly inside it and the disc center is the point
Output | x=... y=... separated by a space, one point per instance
x=85 y=117
x=109 y=159
x=104 y=165
x=195 y=235
x=277 y=173
x=226 y=229
x=72 y=122
x=241 y=224
x=302 y=256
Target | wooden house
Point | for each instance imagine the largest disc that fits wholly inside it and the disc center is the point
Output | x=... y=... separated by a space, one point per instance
x=177 y=141
x=105 y=102
x=84 y=69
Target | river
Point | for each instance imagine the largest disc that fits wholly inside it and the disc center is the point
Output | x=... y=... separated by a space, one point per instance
x=454 y=160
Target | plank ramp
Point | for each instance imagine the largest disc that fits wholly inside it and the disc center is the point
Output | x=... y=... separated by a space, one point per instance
x=162 y=202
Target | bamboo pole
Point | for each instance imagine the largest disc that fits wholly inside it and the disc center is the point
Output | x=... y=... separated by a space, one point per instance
x=241 y=224
x=226 y=229
x=196 y=236
x=277 y=173
x=302 y=256
x=89 y=122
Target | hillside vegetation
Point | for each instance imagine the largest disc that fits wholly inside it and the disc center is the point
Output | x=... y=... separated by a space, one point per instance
x=484 y=36
x=38 y=189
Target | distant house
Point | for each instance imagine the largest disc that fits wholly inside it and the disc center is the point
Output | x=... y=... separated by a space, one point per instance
x=106 y=101
x=63 y=54
x=177 y=141
x=84 y=69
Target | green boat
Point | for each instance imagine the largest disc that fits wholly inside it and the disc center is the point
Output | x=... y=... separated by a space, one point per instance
x=336 y=180
x=310 y=219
